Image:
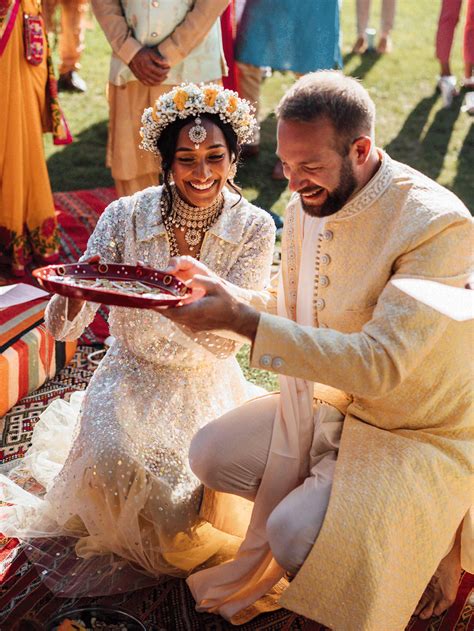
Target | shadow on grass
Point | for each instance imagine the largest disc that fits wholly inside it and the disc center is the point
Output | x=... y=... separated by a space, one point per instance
x=255 y=173
x=406 y=146
x=366 y=62
x=427 y=155
x=82 y=163
x=462 y=184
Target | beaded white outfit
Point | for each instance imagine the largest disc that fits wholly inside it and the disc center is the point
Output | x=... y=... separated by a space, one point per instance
x=118 y=479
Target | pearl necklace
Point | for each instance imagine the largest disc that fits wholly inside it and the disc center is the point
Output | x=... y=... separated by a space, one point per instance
x=191 y=220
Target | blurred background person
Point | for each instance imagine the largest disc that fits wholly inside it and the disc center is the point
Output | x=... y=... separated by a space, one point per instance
x=28 y=105
x=229 y=31
x=386 y=25
x=71 y=40
x=155 y=46
x=299 y=36
x=448 y=19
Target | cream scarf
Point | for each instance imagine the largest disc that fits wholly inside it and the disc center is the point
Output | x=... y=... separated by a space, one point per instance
x=234 y=586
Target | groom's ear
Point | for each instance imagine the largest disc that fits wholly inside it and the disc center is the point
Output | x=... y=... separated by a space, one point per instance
x=360 y=149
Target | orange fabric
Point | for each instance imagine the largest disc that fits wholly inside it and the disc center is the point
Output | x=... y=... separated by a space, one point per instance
x=27 y=217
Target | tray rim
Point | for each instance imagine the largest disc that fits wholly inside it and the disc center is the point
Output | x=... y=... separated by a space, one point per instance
x=47 y=276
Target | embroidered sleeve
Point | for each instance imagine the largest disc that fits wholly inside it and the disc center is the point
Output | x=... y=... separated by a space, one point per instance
x=107 y=241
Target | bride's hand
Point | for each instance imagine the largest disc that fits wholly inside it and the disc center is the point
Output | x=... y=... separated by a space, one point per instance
x=186 y=268
x=74 y=305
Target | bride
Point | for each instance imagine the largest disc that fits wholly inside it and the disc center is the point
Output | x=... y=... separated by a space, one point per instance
x=107 y=475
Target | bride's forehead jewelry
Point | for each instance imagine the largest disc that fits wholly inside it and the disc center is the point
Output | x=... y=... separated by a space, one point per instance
x=190 y=100
x=197 y=133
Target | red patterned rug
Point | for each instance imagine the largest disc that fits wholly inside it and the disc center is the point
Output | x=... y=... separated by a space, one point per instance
x=169 y=606
x=16 y=427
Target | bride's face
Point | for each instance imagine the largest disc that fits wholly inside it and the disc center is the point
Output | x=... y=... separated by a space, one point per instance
x=200 y=174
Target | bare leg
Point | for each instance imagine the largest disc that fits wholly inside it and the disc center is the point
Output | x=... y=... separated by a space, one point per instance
x=441 y=591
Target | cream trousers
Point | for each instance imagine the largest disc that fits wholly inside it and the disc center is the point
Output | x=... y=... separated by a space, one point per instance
x=230 y=454
x=386 y=20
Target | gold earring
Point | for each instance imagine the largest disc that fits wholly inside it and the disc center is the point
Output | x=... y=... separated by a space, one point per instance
x=232 y=172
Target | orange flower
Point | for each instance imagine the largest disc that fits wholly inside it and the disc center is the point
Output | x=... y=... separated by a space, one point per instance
x=210 y=95
x=180 y=99
x=232 y=104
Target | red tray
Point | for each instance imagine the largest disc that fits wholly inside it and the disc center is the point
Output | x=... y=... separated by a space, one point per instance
x=112 y=284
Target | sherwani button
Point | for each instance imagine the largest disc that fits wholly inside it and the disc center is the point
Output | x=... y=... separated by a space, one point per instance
x=265 y=360
x=154 y=34
x=277 y=363
x=320 y=304
x=324 y=281
x=328 y=235
x=325 y=259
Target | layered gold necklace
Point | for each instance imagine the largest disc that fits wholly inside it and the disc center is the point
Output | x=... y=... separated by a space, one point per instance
x=192 y=220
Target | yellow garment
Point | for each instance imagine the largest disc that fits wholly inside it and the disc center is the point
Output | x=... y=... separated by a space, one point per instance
x=124 y=157
x=403 y=480
x=27 y=218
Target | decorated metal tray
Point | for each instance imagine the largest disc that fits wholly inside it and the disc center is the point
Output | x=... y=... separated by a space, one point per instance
x=113 y=284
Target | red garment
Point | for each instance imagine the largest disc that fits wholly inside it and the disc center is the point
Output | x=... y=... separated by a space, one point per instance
x=448 y=19
x=228 y=27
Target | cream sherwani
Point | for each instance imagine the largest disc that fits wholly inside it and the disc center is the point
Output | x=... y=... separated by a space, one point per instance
x=404 y=474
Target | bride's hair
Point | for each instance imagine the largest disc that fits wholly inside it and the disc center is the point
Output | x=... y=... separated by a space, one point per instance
x=166 y=144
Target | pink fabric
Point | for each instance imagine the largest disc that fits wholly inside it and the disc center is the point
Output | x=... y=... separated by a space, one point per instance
x=448 y=19
x=9 y=22
x=228 y=39
x=469 y=34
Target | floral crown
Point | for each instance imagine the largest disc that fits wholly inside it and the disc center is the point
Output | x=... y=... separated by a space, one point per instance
x=190 y=99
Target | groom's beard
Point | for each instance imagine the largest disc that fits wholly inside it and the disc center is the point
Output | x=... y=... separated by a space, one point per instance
x=335 y=199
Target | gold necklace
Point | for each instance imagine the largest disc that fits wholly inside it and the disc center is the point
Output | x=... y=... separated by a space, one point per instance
x=192 y=220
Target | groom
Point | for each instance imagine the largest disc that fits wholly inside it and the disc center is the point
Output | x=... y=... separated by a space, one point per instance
x=360 y=468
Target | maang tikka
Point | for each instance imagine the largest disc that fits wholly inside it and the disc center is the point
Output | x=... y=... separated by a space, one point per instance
x=197 y=133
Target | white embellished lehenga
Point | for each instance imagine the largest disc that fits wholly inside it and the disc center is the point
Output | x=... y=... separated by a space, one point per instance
x=117 y=479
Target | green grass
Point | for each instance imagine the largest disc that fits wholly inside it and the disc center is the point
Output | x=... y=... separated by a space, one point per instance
x=411 y=123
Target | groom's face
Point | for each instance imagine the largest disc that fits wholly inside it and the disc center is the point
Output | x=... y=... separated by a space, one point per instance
x=315 y=166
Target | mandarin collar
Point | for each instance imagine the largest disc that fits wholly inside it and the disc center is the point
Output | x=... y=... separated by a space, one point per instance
x=149 y=224
x=374 y=188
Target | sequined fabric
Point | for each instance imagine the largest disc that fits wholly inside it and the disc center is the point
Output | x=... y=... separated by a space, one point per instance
x=118 y=479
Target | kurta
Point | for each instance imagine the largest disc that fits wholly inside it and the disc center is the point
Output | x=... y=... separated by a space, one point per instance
x=118 y=481
x=191 y=45
x=27 y=219
x=404 y=475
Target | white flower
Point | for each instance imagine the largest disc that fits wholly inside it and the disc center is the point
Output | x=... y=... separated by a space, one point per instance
x=188 y=100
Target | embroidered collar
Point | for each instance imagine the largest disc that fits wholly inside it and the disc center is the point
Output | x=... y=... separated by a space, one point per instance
x=149 y=223
x=371 y=191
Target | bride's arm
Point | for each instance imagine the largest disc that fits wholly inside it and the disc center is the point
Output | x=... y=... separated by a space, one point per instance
x=66 y=318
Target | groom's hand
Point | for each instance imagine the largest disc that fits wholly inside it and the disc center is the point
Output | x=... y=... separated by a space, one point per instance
x=185 y=268
x=212 y=306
